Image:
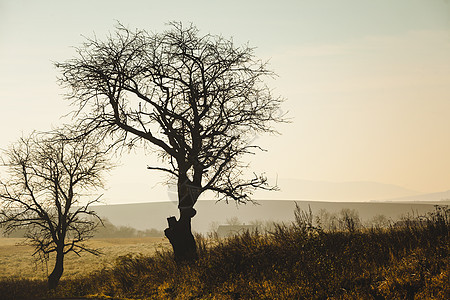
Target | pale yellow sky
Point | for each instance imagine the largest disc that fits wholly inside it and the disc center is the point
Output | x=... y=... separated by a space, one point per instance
x=375 y=109
x=367 y=82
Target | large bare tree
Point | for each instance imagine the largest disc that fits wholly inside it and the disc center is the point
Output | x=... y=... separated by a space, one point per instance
x=198 y=100
x=46 y=192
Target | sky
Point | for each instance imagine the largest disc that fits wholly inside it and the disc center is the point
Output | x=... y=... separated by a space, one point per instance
x=367 y=83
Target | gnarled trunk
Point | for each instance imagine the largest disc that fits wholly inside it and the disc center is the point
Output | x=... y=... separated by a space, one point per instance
x=179 y=232
x=180 y=236
x=53 y=278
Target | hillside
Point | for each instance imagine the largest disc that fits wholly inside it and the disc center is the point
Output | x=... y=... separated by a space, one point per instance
x=442 y=197
x=333 y=191
x=153 y=214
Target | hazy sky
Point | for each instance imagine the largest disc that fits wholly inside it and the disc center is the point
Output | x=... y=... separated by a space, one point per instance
x=367 y=82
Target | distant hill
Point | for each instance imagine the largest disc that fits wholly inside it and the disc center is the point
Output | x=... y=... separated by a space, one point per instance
x=443 y=197
x=334 y=191
x=153 y=215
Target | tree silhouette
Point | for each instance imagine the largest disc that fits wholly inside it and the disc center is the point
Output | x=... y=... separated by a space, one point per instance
x=199 y=101
x=45 y=193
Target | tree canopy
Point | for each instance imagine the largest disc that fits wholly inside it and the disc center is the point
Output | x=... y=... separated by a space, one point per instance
x=199 y=100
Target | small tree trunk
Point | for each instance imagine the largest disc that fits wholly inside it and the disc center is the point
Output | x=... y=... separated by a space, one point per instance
x=180 y=236
x=57 y=272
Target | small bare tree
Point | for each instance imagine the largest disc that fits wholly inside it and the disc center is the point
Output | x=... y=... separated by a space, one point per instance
x=46 y=193
x=349 y=220
x=198 y=101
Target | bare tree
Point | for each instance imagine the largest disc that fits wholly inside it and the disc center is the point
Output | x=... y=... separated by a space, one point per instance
x=198 y=101
x=46 y=193
x=349 y=220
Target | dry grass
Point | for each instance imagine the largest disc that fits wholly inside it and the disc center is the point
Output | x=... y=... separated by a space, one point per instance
x=16 y=259
x=292 y=262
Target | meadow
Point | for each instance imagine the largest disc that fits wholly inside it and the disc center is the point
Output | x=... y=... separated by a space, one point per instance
x=294 y=261
x=16 y=260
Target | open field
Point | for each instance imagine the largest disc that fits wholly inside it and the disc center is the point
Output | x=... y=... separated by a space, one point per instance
x=16 y=259
x=294 y=261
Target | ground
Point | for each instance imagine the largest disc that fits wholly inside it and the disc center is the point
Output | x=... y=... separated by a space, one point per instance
x=16 y=259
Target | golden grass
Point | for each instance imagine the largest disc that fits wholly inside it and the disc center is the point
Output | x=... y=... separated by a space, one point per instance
x=16 y=259
x=292 y=262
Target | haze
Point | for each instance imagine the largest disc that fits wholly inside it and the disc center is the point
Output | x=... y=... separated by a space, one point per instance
x=367 y=83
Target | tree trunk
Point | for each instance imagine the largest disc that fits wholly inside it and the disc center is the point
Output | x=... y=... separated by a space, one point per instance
x=179 y=232
x=57 y=272
x=180 y=236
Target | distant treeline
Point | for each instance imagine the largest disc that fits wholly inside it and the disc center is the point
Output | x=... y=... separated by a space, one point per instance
x=343 y=220
x=107 y=230
x=329 y=221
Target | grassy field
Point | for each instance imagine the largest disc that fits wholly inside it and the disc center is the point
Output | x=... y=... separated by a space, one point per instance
x=295 y=261
x=16 y=260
